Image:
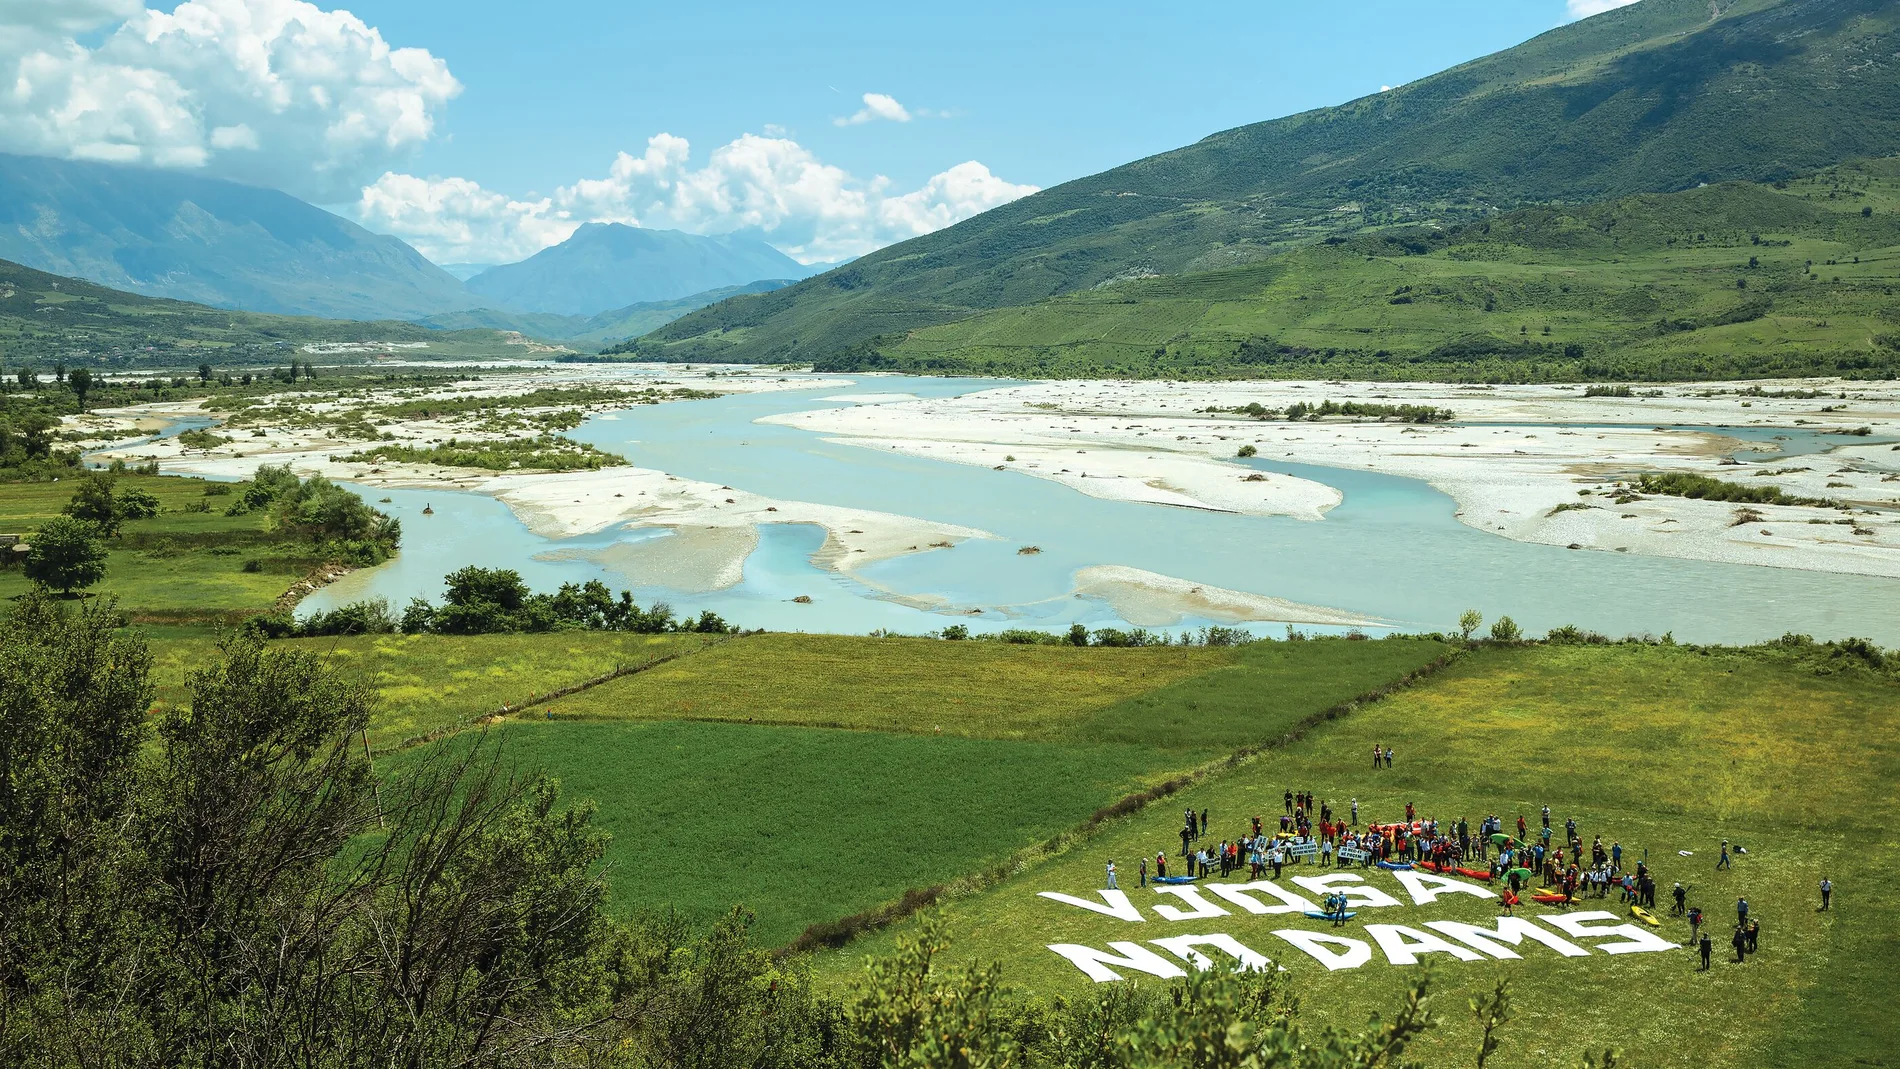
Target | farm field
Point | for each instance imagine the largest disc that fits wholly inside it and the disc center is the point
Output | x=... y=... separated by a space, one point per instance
x=1171 y=697
x=432 y=683
x=1662 y=749
x=178 y=567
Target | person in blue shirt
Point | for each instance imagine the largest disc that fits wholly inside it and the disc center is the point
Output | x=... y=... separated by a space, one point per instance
x=1722 y=864
x=1616 y=855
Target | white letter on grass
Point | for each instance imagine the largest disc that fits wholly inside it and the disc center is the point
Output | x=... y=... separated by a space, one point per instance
x=1358 y=895
x=1638 y=940
x=1118 y=906
x=1242 y=896
x=1425 y=888
x=1202 y=910
x=1403 y=945
x=1353 y=954
x=1512 y=930
x=1128 y=956
x=1182 y=946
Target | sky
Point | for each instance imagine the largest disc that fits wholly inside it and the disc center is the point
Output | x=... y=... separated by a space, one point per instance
x=483 y=130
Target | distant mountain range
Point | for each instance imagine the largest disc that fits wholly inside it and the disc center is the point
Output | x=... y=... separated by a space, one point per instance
x=611 y=326
x=610 y=265
x=187 y=237
x=1658 y=96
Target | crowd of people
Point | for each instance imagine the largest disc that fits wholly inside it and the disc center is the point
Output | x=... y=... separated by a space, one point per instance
x=1551 y=863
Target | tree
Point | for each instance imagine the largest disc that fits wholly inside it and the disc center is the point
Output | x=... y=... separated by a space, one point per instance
x=1505 y=630
x=95 y=503
x=81 y=382
x=27 y=376
x=204 y=374
x=1470 y=621
x=67 y=554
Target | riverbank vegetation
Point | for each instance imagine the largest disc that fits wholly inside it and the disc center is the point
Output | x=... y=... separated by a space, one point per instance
x=543 y=452
x=1705 y=488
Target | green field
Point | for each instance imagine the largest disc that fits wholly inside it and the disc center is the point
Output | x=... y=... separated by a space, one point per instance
x=1663 y=749
x=805 y=825
x=1169 y=698
x=432 y=683
x=178 y=566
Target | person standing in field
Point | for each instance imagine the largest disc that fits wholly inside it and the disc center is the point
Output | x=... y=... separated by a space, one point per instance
x=1111 y=875
x=1355 y=812
x=1161 y=866
x=1827 y=892
x=1705 y=946
x=1376 y=753
x=1722 y=864
x=1388 y=757
x=1144 y=871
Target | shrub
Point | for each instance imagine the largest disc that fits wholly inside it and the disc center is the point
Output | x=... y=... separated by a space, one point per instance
x=1246 y=451
x=1505 y=630
x=956 y=633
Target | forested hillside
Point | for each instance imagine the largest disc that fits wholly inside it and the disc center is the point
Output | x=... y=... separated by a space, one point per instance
x=1659 y=96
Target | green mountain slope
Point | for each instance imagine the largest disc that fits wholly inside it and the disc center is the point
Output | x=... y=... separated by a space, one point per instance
x=608 y=327
x=1737 y=279
x=46 y=318
x=1657 y=96
x=190 y=238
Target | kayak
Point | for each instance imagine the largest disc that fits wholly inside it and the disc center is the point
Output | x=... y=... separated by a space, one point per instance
x=1646 y=916
x=1174 y=879
x=1476 y=874
x=1318 y=916
x=1551 y=900
x=1396 y=866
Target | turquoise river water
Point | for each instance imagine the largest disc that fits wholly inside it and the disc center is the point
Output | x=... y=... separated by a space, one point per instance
x=1392 y=550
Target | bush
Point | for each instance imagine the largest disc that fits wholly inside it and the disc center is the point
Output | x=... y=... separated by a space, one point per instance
x=1247 y=451
x=956 y=633
x=1572 y=635
x=370 y=617
x=1505 y=631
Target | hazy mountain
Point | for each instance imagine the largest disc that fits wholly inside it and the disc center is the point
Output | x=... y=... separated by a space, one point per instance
x=609 y=265
x=464 y=272
x=1662 y=95
x=47 y=318
x=608 y=327
x=173 y=234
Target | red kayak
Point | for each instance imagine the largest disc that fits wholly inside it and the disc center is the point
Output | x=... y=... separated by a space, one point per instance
x=1552 y=900
x=1476 y=874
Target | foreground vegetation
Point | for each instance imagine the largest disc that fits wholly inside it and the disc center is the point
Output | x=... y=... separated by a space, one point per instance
x=1661 y=748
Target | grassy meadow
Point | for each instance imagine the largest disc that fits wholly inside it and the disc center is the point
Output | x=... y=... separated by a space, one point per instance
x=1662 y=749
x=179 y=567
x=424 y=684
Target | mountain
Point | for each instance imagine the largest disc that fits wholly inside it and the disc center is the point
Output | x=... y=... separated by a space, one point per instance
x=47 y=318
x=610 y=265
x=464 y=272
x=1661 y=95
x=171 y=234
x=1734 y=280
x=608 y=327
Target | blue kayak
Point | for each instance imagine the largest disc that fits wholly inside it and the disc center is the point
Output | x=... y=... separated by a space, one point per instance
x=1318 y=916
x=1396 y=866
x=1173 y=879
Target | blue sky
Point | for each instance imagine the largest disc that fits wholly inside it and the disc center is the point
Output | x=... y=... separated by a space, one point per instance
x=1039 y=93
x=484 y=130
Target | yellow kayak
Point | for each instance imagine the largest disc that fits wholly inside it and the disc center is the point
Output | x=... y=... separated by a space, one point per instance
x=1646 y=916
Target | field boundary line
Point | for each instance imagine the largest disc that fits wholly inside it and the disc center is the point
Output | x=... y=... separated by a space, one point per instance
x=838 y=933
x=617 y=672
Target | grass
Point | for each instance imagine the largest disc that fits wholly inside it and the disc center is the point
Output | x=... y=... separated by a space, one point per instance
x=178 y=566
x=429 y=683
x=1660 y=748
x=972 y=689
x=802 y=824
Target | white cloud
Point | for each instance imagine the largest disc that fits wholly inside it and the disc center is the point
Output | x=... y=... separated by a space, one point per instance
x=876 y=106
x=769 y=186
x=277 y=92
x=1583 y=9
